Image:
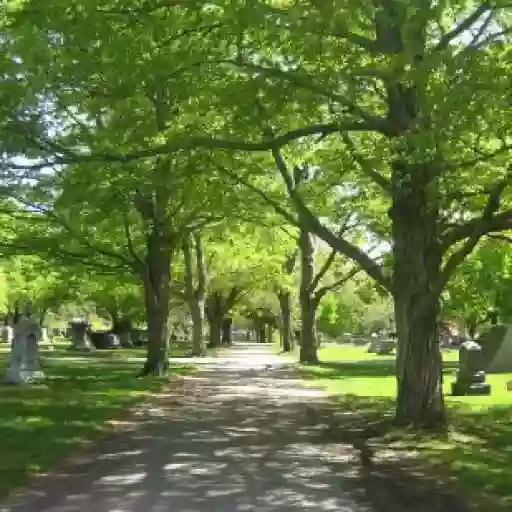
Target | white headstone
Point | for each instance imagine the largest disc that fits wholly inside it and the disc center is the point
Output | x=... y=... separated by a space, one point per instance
x=7 y=334
x=24 y=359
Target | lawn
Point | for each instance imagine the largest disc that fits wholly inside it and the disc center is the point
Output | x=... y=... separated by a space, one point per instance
x=478 y=450
x=41 y=424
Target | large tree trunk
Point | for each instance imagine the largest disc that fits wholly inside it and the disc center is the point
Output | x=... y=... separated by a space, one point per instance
x=157 y=278
x=197 y=314
x=123 y=327
x=217 y=310
x=215 y=329
x=308 y=346
x=270 y=333
x=286 y=319
x=416 y=289
x=227 y=330
x=214 y=314
x=196 y=293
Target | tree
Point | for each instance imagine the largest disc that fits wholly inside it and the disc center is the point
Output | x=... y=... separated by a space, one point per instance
x=414 y=95
x=315 y=283
x=284 y=295
x=31 y=279
x=195 y=289
x=481 y=285
x=407 y=73
x=156 y=202
x=241 y=260
x=121 y=302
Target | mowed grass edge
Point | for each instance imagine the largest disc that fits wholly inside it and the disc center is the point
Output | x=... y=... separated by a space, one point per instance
x=42 y=424
x=476 y=453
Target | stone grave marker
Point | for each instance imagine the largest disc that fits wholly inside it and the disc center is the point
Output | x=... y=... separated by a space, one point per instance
x=24 y=358
x=78 y=331
x=496 y=343
x=385 y=347
x=470 y=377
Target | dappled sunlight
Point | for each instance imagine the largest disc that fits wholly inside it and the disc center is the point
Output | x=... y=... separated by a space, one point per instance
x=80 y=400
x=477 y=451
x=233 y=437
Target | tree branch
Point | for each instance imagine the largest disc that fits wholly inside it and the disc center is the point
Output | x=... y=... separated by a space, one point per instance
x=189 y=273
x=323 y=270
x=321 y=292
x=232 y=297
x=499 y=222
x=129 y=241
x=366 y=166
x=474 y=232
x=464 y=25
x=501 y=237
x=278 y=208
x=483 y=157
x=291 y=261
x=197 y=142
x=201 y=269
x=306 y=82
x=339 y=32
x=310 y=222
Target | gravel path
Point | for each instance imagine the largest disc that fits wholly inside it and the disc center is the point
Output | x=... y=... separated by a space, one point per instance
x=234 y=437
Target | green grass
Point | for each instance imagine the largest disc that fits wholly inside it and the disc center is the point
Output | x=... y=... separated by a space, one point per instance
x=41 y=424
x=478 y=450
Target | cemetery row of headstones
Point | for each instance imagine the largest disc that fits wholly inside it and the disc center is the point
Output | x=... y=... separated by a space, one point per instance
x=491 y=354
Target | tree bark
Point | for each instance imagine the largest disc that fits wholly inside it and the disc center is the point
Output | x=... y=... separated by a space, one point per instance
x=417 y=273
x=259 y=328
x=123 y=328
x=217 y=310
x=157 y=278
x=270 y=333
x=214 y=316
x=215 y=327
x=197 y=314
x=286 y=319
x=227 y=330
x=308 y=345
x=195 y=293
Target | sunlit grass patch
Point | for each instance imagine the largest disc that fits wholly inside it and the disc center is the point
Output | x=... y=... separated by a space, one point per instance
x=41 y=424
x=477 y=452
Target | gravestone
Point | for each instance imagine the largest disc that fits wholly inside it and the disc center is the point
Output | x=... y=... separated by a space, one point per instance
x=103 y=340
x=359 y=340
x=373 y=346
x=46 y=339
x=24 y=358
x=470 y=377
x=7 y=334
x=125 y=338
x=139 y=337
x=496 y=345
x=79 y=338
x=385 y=347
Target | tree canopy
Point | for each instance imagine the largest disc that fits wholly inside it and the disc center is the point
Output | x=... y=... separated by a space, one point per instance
x=380 y=127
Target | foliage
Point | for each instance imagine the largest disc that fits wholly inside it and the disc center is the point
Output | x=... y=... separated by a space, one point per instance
x=74 y=405
x=364 y=386
x=482 y=284
x=379 y=127
x=116 y=300
x=29 y=279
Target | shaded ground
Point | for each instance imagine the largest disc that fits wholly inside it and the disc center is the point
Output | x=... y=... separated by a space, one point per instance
x=477 y=450
x=240 y=435
x=41 y=424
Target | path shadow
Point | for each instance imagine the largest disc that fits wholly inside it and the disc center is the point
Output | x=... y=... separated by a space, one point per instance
x=243 y=434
